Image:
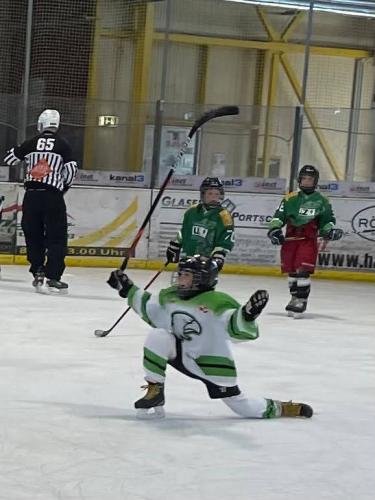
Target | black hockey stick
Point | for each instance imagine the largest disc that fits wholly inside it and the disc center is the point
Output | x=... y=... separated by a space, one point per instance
x=104 y=333
x=214 y=113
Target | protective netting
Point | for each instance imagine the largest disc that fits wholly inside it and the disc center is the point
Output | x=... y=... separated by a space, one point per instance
x=12 y=49
x=60 y=57
x=105 y=63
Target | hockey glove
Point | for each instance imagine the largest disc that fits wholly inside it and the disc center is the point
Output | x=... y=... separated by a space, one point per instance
x=276 y=236
x=255 y=305
x=219 y=258
x=121 y=282
x=173 y=252
x=334 y=234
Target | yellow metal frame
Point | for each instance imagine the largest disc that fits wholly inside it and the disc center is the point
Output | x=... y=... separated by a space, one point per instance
x=271 y=97
x=262 y=45
x=311 y=117
x=144 y=18
x=293 y=80
x=91 y=94
x=202 y=81
x=277 y=48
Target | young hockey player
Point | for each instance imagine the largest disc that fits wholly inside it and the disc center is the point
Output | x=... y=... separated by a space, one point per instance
x=191 y=329
x=207 y=228
x=307 y=215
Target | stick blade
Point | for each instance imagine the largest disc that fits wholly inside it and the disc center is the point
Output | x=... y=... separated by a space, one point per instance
x=101 y=333
x=226 y=111
x=214 y=113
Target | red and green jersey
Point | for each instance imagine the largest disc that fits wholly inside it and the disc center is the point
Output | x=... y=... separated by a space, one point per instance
x=305 y=215
x=205 y=231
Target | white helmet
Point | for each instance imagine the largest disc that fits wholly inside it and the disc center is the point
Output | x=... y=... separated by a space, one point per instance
x=50 y=118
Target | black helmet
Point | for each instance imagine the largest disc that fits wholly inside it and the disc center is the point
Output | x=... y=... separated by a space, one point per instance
x=204 y=271
x=310 y=171
x=211 y=183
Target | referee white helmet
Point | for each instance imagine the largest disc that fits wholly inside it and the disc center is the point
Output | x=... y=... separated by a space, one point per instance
x=49 y=119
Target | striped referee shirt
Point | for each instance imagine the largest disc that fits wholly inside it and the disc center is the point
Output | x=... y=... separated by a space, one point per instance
x=49 y=161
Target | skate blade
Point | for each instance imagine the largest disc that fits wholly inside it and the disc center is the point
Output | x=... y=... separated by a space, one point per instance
x=290 y=314
x=40 y=289
x=298 y=315
x=55 y=291
x=150 y=413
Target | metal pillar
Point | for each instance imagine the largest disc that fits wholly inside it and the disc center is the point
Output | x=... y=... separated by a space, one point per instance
x=300 y=112
x=354 y=120
x=160 y=103
x=21 y=135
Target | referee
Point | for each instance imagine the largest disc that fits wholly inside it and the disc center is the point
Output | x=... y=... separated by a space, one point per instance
x=50 y=171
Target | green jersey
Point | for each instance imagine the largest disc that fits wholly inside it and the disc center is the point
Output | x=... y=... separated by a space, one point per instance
x=205 y=232
x=308 y=215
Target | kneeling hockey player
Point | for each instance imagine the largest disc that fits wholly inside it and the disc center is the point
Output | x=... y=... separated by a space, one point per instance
x=192 y=326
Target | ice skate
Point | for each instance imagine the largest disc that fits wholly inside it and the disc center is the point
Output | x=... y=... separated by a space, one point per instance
x=296 y=307
x=290 y=306
x=151 y=405
x=38 y=281
x=56 y=286
x=290 y=409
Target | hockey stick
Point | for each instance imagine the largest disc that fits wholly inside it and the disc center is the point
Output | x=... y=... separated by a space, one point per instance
x=322 y=242
x=104 y=333
x=214 y=113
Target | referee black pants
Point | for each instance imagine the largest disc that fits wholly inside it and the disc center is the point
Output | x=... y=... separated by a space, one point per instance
x=44 y=223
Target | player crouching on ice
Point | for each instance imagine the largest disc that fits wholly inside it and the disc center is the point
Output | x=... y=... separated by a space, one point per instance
x=192 y=326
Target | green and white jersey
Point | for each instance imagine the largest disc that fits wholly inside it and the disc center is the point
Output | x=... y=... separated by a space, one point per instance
x=206 y=324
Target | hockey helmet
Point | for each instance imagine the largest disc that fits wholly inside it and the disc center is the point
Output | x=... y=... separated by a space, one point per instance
x=211 y=183
x=48 y=119
x=204 y=271
x=308 y=171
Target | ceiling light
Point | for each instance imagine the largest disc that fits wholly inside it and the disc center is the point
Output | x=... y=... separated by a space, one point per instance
x=360 y=8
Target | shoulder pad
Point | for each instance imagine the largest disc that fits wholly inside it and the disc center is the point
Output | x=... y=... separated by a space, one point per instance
x=291 y=195
x=226 y=217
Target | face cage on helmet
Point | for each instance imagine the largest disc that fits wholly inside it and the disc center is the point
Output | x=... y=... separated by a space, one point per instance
x=311 y=189
x=212 y=204
x=196 y=287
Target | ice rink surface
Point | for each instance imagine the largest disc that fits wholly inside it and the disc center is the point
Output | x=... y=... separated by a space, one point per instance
x=68 y=429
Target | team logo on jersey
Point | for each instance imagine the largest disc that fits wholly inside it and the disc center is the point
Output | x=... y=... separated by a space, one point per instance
x=199 y=231
x=308 y=212
x=184 y=325
x=40 y=169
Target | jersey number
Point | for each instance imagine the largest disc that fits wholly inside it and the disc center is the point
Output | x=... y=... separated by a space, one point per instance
x=230 y=235
x=45 y=144
x=309 y=212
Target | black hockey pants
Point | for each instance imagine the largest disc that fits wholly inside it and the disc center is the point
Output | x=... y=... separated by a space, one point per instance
x=44 y=223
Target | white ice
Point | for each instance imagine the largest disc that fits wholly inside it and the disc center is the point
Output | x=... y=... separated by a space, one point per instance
x=68 y=429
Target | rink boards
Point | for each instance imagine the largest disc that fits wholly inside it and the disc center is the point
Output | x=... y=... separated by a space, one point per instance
x=102 y=223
